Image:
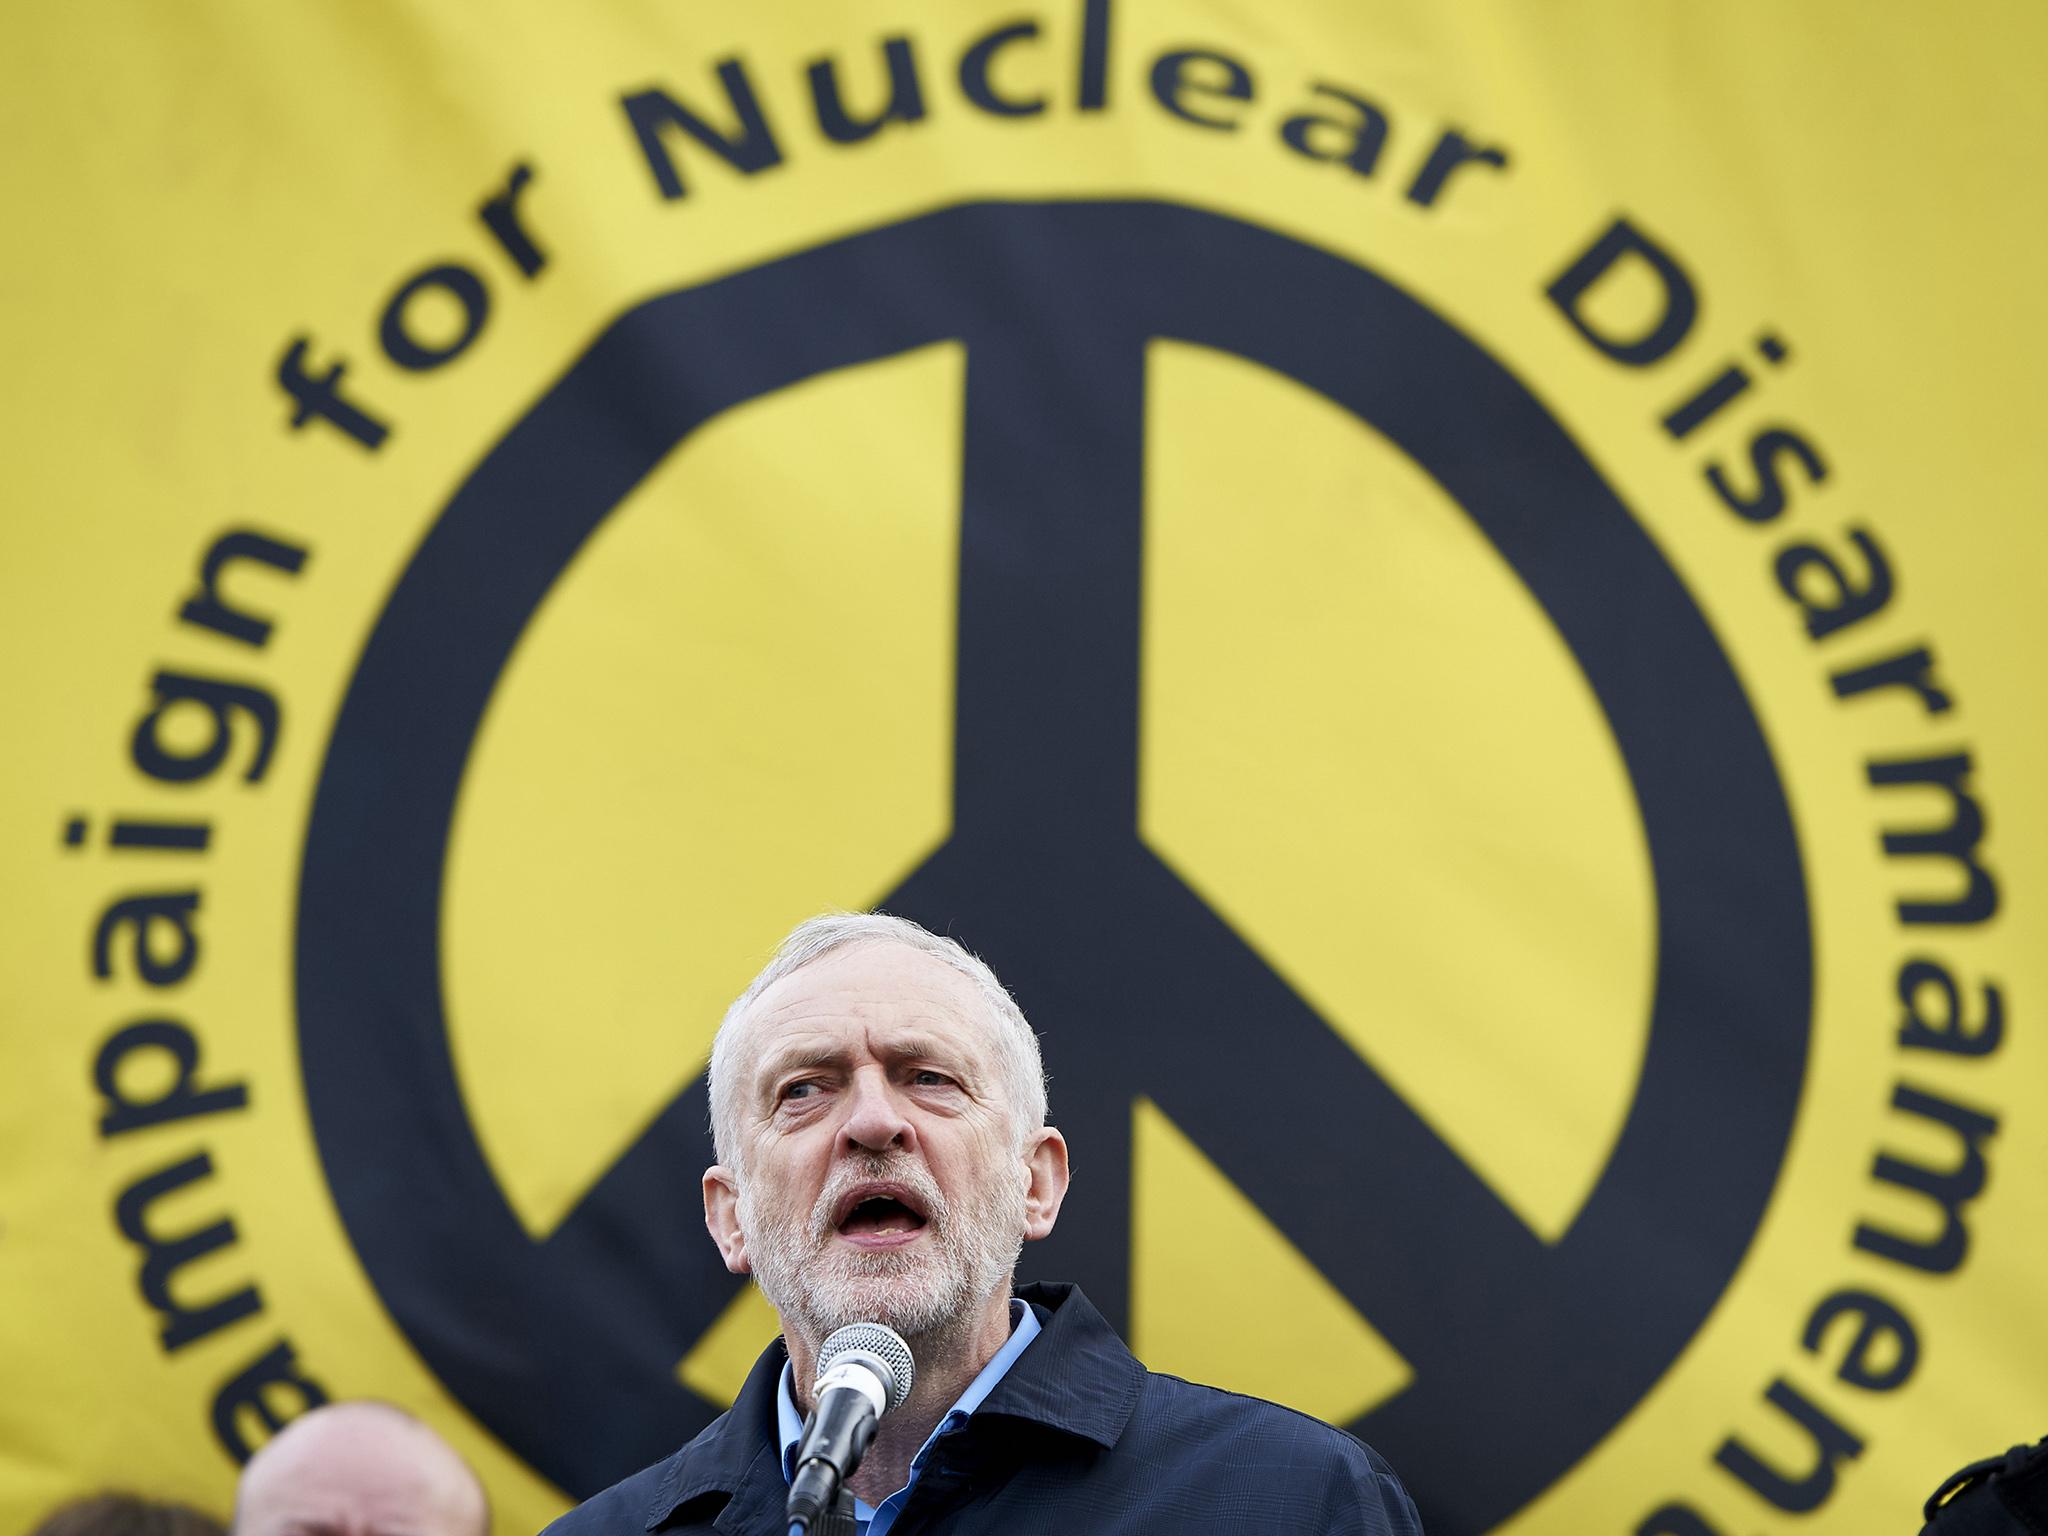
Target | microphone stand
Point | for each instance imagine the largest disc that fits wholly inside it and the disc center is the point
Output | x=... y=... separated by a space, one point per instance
x=836 y=1519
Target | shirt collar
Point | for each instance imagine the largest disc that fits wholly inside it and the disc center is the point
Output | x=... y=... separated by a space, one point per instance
x=1079 y=1379
x=1024 y=1327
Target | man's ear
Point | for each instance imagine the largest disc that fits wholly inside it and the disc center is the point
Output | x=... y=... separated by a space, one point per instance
x=1045 y=1162
x=722 y=1217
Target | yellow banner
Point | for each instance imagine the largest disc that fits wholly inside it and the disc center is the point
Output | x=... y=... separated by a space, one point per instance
x=1450 y=594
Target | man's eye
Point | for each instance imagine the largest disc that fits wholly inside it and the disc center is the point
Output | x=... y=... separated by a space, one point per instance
x=927 y=1078
x=800 y=1090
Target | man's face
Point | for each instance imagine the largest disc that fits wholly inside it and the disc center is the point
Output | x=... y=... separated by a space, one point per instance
x=882 y=1177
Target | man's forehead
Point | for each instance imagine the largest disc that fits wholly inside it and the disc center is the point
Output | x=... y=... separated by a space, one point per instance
x=885 y=986
x=367 y=1460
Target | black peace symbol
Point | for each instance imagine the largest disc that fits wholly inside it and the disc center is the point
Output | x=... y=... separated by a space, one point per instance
x=566 y=1348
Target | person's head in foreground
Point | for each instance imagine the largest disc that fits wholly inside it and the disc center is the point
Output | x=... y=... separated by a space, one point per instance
x=359 y=1469
x=127 y=1514
x=878 y=1108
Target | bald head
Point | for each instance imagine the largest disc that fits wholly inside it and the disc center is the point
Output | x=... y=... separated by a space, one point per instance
x=359 y=1469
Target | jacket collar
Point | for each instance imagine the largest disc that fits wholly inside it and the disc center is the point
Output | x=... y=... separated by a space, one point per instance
x=1077 y=1378
x=735 y=1455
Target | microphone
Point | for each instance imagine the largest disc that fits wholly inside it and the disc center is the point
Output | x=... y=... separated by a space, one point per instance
x=864 y=1371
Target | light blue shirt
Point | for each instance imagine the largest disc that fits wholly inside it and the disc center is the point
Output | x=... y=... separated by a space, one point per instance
x=1024 y=1327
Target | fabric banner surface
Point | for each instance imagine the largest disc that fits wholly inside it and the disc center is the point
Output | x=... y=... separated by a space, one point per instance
x=1451 y=594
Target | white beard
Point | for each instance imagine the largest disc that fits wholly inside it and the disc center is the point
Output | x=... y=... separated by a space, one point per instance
x=819 y=1285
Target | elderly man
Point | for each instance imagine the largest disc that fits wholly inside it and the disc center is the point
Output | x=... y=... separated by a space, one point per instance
x=359 y=1469
x=878 y=1111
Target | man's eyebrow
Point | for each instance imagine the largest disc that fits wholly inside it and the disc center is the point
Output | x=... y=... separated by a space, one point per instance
x=800 y=1057
x=793 y=1058
x=930 y=1047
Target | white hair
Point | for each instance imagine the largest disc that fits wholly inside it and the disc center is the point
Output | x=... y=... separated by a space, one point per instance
x=1016 y=1042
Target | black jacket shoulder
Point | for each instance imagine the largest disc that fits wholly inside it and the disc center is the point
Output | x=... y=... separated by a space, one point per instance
x=1224 y=1444
x=1078 y=1436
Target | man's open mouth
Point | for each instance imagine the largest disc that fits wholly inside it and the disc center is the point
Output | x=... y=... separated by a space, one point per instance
x=878 y=1210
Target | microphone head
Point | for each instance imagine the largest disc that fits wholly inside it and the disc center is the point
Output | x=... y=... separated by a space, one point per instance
x=879 y=1348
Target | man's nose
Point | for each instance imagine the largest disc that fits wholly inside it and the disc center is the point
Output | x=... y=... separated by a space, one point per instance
x=874 y=1116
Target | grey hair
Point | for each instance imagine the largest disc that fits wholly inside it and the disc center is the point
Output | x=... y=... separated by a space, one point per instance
x=813 y=939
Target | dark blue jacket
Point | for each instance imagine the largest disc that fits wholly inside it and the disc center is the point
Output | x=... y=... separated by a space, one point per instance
x=1077 y=1438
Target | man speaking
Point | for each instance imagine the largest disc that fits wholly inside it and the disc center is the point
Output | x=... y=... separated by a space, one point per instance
x=878 y=1110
